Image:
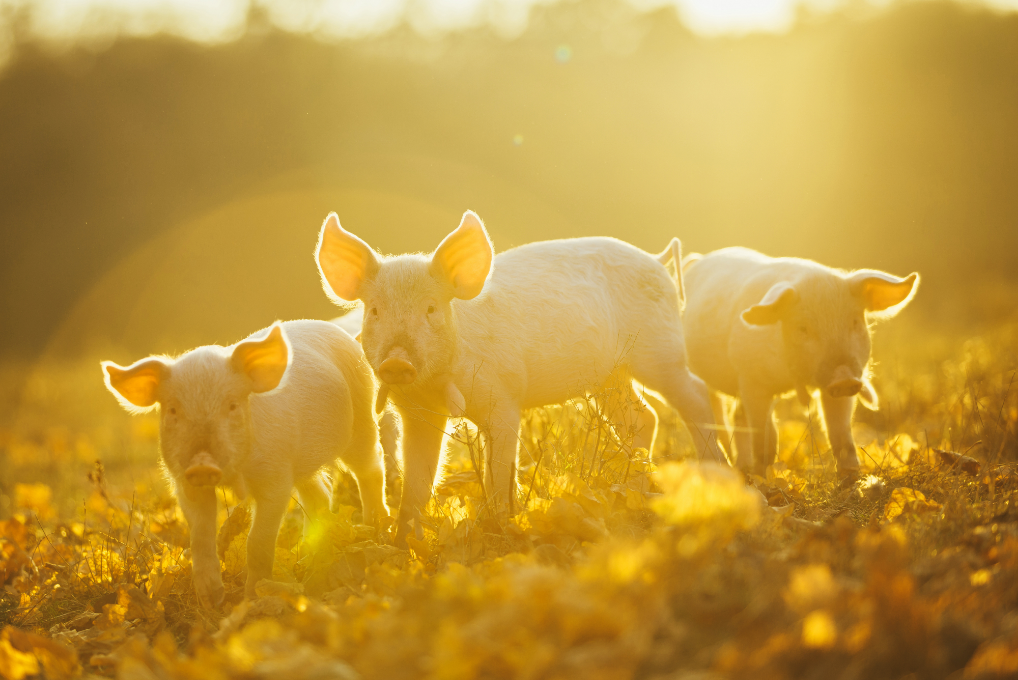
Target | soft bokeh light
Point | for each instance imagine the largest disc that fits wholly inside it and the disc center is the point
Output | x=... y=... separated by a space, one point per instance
x=218 y=20
x=204 y=20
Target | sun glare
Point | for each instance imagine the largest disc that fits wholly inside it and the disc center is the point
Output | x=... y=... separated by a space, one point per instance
x=219 y=20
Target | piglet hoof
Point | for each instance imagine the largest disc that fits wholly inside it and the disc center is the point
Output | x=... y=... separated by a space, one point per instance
x=383 y=530
x=847 y=477
x=209 y=588
x=404 y=527
x=751 y=465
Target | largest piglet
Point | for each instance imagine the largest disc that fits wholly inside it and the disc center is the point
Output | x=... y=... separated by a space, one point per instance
x=261 y=416
x=460 y=332
x=758 y=326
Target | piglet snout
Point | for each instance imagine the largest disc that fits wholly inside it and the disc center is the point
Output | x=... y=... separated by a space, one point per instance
x=844 y=384
x=397 y=369
x=203 y=471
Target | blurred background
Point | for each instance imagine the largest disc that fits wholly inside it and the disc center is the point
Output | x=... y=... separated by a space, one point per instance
x=165 y=165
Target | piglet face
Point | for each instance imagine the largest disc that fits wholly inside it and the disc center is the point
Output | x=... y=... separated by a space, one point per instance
x=409 y=332
x=826 y=337
x=204 y=423
x=203 y=399
x=824 y=325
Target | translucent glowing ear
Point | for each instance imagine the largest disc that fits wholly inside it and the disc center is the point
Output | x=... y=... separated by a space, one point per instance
x=263 y=361
x=137 y=386
x=774 y=305
x=344 y=261
x=883 y=292
x=463 y=258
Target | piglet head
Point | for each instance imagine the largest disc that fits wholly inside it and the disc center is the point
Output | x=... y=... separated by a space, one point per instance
x=824 y=320
x=203 y=400
x=409 y=334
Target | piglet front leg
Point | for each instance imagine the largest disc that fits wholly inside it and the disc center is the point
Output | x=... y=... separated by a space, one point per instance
x=838 y=418
x=270 y=505
x=199 y=506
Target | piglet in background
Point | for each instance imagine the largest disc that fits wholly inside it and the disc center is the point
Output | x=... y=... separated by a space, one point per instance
x=757 y=327
x=261 y=416
x=388 y=423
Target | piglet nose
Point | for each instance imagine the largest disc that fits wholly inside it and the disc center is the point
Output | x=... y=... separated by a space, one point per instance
x=397 y=371
x=844 y=383
x=203 y=471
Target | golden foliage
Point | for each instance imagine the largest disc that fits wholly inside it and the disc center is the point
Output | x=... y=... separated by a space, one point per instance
x=614 y=568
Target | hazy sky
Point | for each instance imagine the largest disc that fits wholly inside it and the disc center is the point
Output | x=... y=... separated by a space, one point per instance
x=75 y=21
x=224 y=19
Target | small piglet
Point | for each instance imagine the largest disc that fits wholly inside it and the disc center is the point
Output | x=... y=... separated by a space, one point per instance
x=460 y=332
x=261 y=417
x=757 y=327
x=388 y=423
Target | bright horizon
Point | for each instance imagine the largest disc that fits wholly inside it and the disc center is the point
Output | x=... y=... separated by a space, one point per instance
x=224 y=20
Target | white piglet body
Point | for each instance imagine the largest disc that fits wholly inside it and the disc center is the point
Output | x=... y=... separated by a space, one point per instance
x=263 y=416
x=757 y=327
x=557 y=317
x=299 y=427
x=463 y=333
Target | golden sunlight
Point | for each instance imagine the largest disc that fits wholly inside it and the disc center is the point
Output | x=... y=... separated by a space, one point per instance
x=576 y=360
x=218 y=20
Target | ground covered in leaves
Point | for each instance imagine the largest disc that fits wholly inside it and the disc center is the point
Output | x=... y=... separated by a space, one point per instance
x=615 y=568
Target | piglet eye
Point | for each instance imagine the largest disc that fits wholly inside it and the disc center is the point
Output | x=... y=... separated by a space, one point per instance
x=233 y=407
x=374 y=311
x=431 y=309
x=173 y=411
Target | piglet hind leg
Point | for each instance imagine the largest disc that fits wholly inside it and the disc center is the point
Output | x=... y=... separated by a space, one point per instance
x=758 y=410
x=365 y=463
x=501 y=433
x=688 y=395
x=838 y=419
x=315 y=496
x=742 y=439
x=634 y=420
x=722 y=408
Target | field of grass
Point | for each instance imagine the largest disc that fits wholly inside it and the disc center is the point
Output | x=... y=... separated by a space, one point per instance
x=616 y=568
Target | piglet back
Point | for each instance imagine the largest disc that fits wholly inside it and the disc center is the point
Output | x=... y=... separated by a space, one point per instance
x=311 y=415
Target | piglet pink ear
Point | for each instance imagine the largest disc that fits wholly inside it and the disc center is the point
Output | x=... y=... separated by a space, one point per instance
x=137 y=386
x=883 y=292
x=773 y=307
x=463 y=258
x=344 y=261
x=263 y=361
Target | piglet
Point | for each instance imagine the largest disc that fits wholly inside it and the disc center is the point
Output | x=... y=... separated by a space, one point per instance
x=461 y=332
x=388 y=422
x=757 y=327
x=261 y=416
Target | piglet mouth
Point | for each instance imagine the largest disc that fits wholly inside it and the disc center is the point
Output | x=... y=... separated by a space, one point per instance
x=397 y=368
x=203 y=471
x=843 y=384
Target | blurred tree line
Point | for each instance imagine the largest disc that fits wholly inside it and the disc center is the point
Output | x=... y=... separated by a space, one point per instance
x=888 y=141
